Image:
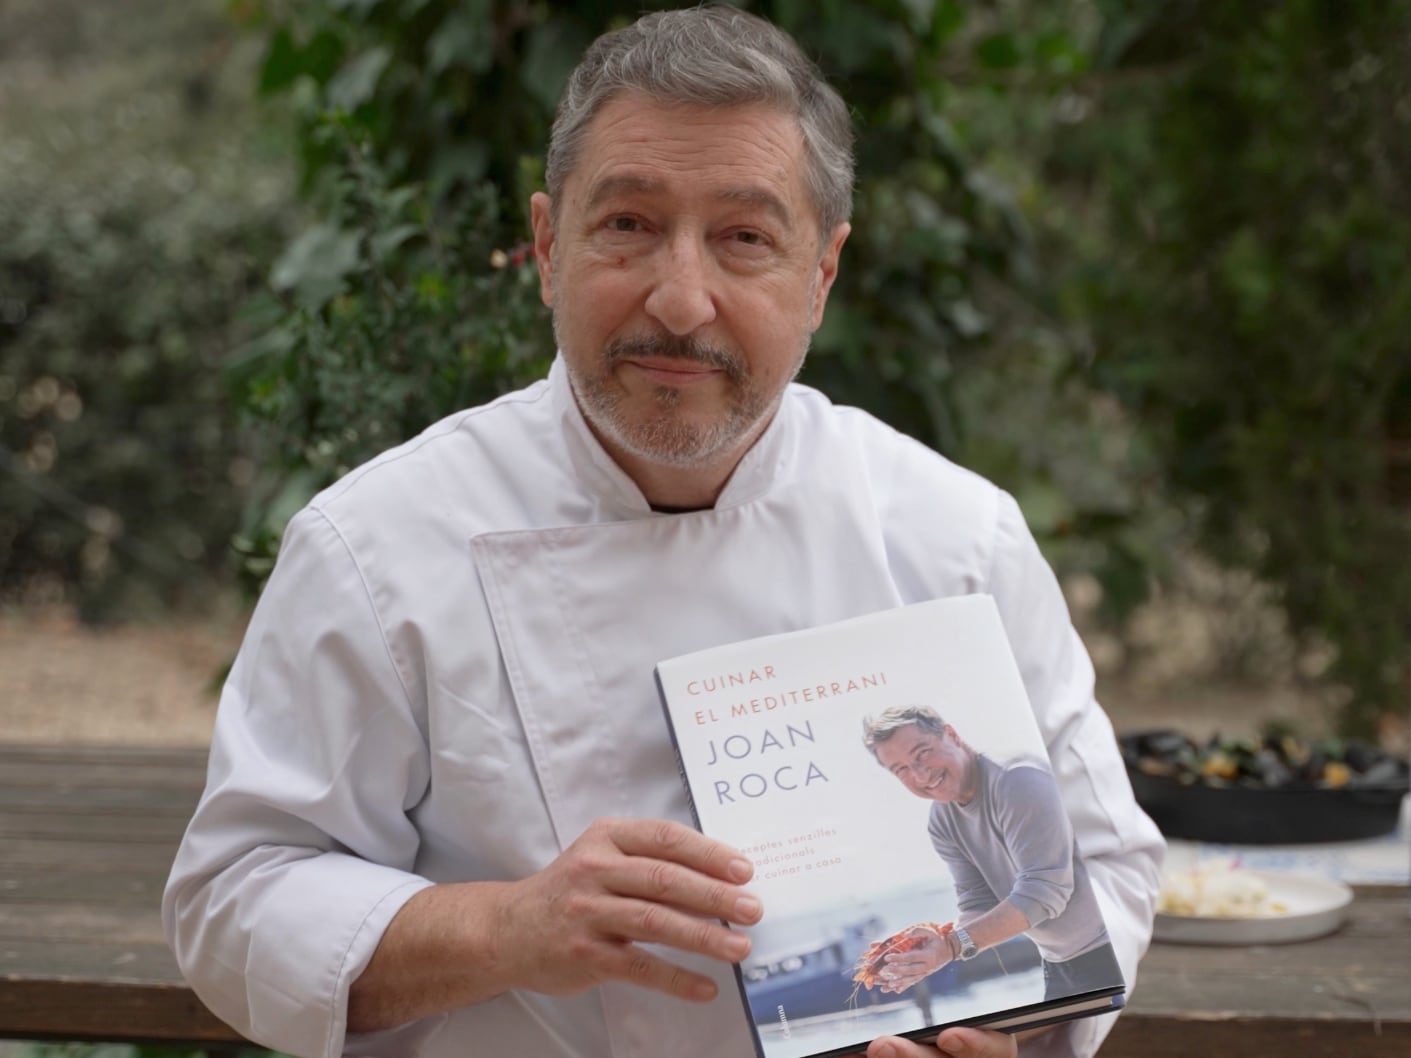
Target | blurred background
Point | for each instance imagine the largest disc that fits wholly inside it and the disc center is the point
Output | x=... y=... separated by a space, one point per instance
x=1147 y=265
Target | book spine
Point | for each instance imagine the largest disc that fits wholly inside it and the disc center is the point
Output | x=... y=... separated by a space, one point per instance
x=676 y=749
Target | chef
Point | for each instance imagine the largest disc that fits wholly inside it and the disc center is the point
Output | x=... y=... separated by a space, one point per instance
x=443 y=816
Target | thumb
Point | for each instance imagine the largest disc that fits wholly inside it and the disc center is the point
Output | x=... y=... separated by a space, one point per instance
x=964 y=1042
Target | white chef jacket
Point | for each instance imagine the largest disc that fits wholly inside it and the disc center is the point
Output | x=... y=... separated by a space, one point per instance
x=449 y=676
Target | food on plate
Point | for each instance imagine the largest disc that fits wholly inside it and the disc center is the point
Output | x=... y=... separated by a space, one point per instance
x=1276 y=761
x=1217 y=889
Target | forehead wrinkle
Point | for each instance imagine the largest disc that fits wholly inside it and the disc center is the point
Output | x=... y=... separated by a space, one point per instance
x=758 y=197
x=622 y=184
x=634 y=184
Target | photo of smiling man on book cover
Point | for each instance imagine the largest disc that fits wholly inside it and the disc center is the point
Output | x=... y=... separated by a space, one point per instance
x=1001 y=829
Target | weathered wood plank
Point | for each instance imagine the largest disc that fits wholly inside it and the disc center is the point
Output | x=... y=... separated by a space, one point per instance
x=54 y=767
x=27 y=883
x=83 y=923
x=107 y=756
x=1143 y=1036
x=80 y=828
x=1360 y=975
x=91 y=857
x=118 y=1012
x=107 y=800
x=74 y=961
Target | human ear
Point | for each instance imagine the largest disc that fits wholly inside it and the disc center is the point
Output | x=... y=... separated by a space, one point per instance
x=828 y=270
x=541 y=209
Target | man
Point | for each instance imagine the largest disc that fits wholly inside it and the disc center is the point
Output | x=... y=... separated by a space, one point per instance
x=1003 y=833
x=443 y=815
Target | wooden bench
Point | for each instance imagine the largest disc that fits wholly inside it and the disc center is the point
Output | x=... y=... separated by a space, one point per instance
x=88 y=835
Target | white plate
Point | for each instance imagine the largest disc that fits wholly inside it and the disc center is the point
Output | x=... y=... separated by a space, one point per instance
x=1316 y=906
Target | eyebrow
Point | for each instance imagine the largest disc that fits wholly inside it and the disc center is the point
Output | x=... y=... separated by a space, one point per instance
x=628 y=184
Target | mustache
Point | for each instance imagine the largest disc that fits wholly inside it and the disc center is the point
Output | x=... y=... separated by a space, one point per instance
x=676 y=347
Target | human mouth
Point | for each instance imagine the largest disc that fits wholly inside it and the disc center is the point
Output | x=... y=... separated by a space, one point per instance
x=673 y=360
x=674 y=373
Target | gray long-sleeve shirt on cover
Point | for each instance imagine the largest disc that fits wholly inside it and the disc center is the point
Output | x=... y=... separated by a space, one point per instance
x=1014 y=840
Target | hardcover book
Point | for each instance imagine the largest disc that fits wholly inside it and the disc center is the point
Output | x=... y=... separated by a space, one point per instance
x=917 y=868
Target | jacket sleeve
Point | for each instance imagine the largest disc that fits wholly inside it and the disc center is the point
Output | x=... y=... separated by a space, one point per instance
x=300 y=851
x=1118 y=842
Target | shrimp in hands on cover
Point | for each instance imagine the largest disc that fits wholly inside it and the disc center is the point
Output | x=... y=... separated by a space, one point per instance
x=868 y=968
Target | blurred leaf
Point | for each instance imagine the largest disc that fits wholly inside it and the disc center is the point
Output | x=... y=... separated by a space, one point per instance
x=465 y=38
x=313 y=267
x=356 y=8
x=999 y=51
x=1045 y=508
x=553 y=51
x=283 y=62
x=384 y=243
x=356 y=82
x=949 y=18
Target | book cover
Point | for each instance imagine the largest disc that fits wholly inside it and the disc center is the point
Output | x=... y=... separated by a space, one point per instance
x=888 y=779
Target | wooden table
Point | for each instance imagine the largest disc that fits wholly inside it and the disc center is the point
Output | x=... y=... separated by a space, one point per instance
x=1345 y=994
x=88 y=835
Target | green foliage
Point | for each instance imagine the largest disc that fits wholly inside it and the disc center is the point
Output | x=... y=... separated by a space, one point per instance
x=1199 y=208
x=447 y=106
x=390 y=314
x=129 y=235
x=1254 y=311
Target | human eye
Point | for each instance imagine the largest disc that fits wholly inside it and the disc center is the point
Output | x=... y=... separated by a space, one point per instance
x=623 y=224
x=750 y=241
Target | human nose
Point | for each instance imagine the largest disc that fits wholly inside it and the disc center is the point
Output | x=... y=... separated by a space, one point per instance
x=681 y=299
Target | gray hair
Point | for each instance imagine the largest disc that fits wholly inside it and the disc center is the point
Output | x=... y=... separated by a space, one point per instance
x=895 y=718
x=711 y=56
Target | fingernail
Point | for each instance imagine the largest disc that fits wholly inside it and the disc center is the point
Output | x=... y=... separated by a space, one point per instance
x=741 y=869
x=882 y=1049
x=747 y=907
x=739 y=945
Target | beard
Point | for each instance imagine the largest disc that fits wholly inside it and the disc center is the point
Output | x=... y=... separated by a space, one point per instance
x=667 y=432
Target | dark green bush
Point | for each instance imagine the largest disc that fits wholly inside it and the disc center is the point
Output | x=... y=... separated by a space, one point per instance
x=424 y=125
x=1253 y=305
x=1198 y=208
x=132 y=230
x=391 y=313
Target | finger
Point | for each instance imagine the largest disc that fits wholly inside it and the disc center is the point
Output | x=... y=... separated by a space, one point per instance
x=643 y=920
x=899 y=966
x=954 y=1043
x=664 y=839
x=977 y=1043
x=895 y=1047
x=630 y=963
x=664 y=882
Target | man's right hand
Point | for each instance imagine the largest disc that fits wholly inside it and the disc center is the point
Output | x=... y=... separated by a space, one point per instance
x=575 y=924
x=625 y=882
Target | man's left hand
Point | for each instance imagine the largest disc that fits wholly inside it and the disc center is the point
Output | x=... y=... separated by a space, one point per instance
x=902 y=969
